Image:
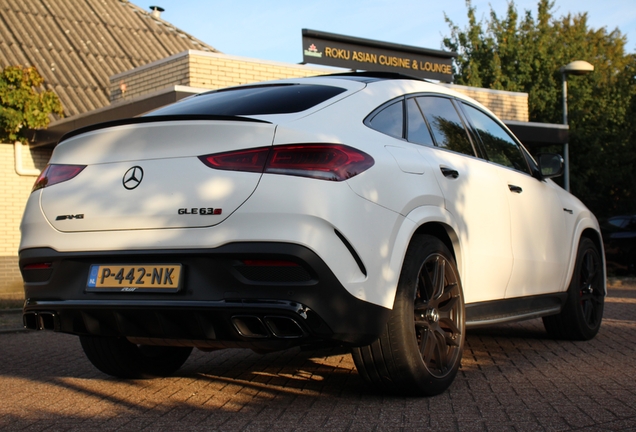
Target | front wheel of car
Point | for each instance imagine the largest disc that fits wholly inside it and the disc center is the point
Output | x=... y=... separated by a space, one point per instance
x=581 y=315
x=420 y=350
x=122 y=359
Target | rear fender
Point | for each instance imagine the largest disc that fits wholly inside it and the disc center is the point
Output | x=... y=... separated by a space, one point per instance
x=415 y=221
x=586 y=225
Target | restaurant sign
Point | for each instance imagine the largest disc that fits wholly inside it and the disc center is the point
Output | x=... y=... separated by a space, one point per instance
x=365 y=54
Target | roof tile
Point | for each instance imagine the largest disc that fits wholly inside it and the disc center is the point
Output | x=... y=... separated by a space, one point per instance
x=78 y=44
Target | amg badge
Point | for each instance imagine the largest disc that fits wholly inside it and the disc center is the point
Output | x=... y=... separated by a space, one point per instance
x=69 y=217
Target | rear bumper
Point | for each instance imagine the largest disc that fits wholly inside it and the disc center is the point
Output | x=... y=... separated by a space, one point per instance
x=221 y=302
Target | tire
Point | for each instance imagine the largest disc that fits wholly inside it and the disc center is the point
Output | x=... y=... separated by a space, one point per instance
x=420 y=350
x=119 y=358
x=581 y=315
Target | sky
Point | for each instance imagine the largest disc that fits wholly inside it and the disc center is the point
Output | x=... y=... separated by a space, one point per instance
x=271 y=29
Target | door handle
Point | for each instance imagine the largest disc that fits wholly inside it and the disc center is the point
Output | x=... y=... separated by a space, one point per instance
x=515 y=189
x=449 y=172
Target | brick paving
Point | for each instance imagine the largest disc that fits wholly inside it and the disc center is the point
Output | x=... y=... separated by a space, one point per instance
x=512 y=378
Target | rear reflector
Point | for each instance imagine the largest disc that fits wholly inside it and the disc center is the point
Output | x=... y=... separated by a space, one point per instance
x=334 y=162
x=54 y=174
x=38 y=266
x=269 y=263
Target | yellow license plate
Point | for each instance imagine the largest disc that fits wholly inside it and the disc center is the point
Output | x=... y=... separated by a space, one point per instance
x=138 y=277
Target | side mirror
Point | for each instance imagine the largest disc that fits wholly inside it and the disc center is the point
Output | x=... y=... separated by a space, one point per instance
x=550 y=165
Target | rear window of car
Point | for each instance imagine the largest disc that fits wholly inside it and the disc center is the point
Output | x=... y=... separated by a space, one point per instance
x=253 y=100
x=389 y=120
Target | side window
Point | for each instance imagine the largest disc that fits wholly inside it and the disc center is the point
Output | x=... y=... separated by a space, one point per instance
x=417 y=130
x=498 y=144
x=447 y=127
x=390 y=120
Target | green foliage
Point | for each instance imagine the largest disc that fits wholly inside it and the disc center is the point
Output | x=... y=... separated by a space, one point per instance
x=525 y=54
x=22 y=105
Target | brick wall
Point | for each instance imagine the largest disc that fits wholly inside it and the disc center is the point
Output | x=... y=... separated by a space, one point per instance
x=202 y=70
x=211 y=70
x=9 y=273
x=15 y=190
x=506 y=105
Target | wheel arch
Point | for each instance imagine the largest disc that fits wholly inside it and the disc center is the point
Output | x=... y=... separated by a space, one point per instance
x=432 y=220
x=595 y=236
x=437 y=222
x=443 y=232
x=588 y=229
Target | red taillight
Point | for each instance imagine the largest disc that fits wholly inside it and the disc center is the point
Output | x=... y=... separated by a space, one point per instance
x=323 y=161
x=252 y=160
x=335 y=162
x=54 y=174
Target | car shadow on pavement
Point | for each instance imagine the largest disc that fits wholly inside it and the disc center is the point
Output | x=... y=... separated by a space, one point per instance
x=328 y=371
x=511 y=375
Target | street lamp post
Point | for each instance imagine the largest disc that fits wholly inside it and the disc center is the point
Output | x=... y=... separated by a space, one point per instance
x=578 y=67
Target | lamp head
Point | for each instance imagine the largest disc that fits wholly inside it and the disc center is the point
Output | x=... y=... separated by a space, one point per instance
x=578 y=67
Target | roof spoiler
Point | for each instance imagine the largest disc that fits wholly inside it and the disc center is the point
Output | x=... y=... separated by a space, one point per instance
x=155 y=119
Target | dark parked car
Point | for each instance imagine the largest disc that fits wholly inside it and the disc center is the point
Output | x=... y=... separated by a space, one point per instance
x=619 y=237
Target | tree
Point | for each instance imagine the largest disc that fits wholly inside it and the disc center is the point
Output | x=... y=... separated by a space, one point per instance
x=21 y=105
x=525 y=54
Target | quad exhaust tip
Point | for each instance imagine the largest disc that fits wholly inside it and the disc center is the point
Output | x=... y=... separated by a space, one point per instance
x=39 y=320
x=280 y=327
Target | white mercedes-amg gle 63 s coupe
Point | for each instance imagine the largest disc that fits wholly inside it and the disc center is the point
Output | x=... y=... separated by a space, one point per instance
x=372 y=211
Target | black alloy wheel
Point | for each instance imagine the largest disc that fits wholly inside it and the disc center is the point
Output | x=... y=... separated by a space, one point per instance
x=582 y=313
x=591 y=288
x=439 y=315
x=420 y=350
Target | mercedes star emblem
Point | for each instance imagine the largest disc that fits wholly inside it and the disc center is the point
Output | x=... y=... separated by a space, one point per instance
x=133 y=177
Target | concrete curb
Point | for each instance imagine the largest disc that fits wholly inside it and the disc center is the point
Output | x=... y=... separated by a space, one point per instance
x=12 y=312
x=7 y=331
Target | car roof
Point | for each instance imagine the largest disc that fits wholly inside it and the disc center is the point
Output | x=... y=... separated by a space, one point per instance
x=392 y=84
x=368 y=77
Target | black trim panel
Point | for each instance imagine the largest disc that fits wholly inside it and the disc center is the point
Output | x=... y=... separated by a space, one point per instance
x=515 y=309
x=352 y=251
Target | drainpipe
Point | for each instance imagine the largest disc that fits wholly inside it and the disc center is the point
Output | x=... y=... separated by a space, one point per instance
x=19 y=169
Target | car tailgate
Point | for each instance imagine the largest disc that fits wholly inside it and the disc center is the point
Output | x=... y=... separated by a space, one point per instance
x=149 y=176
